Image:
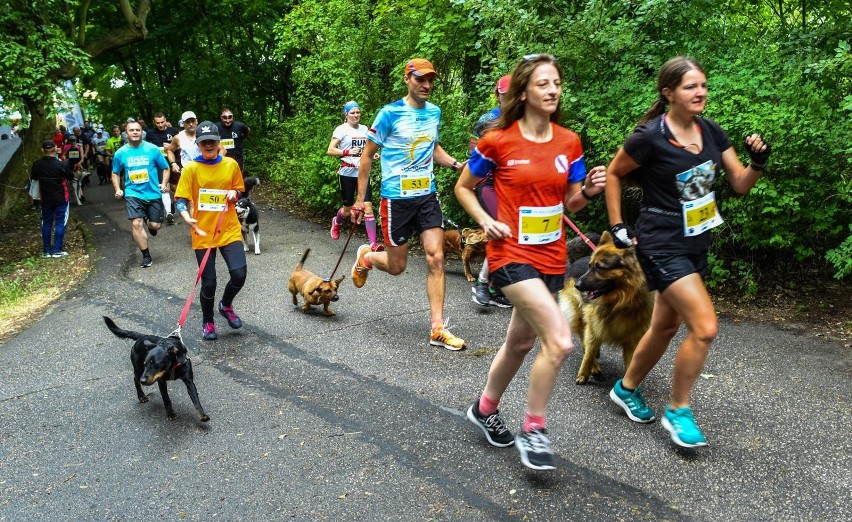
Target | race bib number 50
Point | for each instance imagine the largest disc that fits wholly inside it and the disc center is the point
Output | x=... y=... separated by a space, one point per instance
x=539 y=225
x=212 y=200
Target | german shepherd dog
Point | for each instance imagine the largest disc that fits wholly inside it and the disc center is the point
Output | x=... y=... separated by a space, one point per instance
x=159 y=359
x=608 y=304
x=249 y=216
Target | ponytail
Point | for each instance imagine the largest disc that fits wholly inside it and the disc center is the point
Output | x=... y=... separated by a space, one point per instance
x=657 y=108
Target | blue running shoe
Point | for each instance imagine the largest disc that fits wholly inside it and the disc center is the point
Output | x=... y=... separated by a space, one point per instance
x=228 y=313
x=208 y=332
x=632 y=403
x=681 y=424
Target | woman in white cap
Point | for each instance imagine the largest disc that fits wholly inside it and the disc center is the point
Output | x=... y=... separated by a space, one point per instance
x=347 y=143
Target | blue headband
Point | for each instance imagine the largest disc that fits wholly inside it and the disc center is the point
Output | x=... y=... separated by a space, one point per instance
x=349 y=106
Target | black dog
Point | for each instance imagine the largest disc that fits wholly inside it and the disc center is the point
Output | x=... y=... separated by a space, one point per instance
x=159 y=359
x=249 y=216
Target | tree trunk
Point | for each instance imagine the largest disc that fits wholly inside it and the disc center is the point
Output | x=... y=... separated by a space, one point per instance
x=42 y=127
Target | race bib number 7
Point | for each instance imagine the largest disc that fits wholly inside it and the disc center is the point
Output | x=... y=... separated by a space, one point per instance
x=539 y=225
x=212 y=200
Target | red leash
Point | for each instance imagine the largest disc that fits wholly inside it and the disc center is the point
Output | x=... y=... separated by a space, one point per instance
x=577 y=230
x=201 y=266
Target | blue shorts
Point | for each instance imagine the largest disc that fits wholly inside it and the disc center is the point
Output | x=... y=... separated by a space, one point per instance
x=661 y=270
x=517 y=272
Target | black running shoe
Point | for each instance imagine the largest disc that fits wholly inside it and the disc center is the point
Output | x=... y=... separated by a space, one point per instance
x=481 y=296
x=493 y=426
x=534 y=447
x=146 y=261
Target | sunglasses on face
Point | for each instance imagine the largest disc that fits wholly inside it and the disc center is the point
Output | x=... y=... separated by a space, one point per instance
x=227 y=116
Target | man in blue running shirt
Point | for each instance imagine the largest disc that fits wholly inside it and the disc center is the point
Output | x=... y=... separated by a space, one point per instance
x=146 y=179
x=407 y=132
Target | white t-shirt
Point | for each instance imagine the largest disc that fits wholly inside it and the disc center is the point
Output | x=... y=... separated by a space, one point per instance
x=350 y=138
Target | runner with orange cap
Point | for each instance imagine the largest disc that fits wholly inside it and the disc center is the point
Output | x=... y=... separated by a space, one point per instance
x=407 y=132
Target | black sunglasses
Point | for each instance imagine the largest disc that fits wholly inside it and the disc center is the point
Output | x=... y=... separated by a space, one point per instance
x=227 y=116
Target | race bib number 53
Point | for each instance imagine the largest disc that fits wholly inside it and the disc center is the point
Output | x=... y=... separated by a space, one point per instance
x=212 y=200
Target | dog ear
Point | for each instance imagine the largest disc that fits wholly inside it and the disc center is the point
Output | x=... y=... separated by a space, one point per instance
x=148 y=343
x=340 y=280
x=605 y=238
x=316 y=290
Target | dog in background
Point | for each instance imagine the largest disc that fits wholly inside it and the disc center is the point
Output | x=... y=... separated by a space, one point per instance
x=608 y=304
x=249 y=216
x=159 y=359
x=468 y=244
x=315 y=290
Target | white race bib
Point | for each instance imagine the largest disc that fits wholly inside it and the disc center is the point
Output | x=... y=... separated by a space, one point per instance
x=539 y=225
x=212 y=200
x=700 y=215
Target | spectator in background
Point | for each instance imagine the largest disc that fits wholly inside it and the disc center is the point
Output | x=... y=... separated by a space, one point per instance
x=53 y=177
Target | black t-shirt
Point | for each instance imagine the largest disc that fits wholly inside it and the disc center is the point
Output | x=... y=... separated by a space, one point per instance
x=160 y=138
x=53 y=176
x=236 y=132
x=670 y=175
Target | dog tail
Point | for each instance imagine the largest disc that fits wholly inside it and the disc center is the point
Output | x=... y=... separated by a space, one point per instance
x=119 y=332
x=302 y=261
x=250 y=182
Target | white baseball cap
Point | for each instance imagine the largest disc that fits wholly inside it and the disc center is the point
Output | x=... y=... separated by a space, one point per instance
x=187 y=115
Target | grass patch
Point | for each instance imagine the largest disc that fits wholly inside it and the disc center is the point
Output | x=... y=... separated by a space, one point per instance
x=29 y=283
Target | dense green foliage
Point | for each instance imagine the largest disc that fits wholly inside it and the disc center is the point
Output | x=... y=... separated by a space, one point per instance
x=782 y=68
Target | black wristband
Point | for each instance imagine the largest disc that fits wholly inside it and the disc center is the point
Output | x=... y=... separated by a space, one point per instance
x=455 y=165
x=755 y=166
x=585 y=194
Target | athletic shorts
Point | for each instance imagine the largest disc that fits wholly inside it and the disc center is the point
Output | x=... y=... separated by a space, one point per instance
x=517 y=272
x=349 y=189
x=402 y=217
x=661 y=270
x=141 y=208
x=232 y=253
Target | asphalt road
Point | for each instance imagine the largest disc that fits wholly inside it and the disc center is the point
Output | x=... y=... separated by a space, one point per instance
x=356 y=417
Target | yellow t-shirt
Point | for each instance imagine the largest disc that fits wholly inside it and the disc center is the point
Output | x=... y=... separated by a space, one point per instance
x=205 y=186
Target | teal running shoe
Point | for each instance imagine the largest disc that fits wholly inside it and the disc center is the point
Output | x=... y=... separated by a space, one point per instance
x=681 y=424
x=632 y=403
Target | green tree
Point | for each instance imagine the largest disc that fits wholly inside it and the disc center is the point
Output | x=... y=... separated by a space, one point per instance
x=42 y=43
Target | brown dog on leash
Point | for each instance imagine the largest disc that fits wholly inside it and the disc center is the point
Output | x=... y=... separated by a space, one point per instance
x=314 y=289
x=468 y=244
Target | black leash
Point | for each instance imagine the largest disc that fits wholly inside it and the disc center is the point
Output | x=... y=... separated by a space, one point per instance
x=343 y=252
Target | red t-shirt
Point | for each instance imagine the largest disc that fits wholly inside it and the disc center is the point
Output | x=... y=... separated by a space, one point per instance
x=531 y=180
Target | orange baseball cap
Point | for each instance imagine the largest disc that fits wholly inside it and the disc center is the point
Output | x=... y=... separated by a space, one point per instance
x=420 y=67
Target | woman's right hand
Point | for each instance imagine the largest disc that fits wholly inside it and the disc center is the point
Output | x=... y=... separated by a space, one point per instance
x=496 y=230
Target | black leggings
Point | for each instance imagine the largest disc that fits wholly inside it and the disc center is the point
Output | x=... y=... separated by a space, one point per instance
x=235 y=258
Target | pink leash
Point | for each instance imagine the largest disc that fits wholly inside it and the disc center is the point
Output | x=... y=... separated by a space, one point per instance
x=201 y=266
x=577 y=230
